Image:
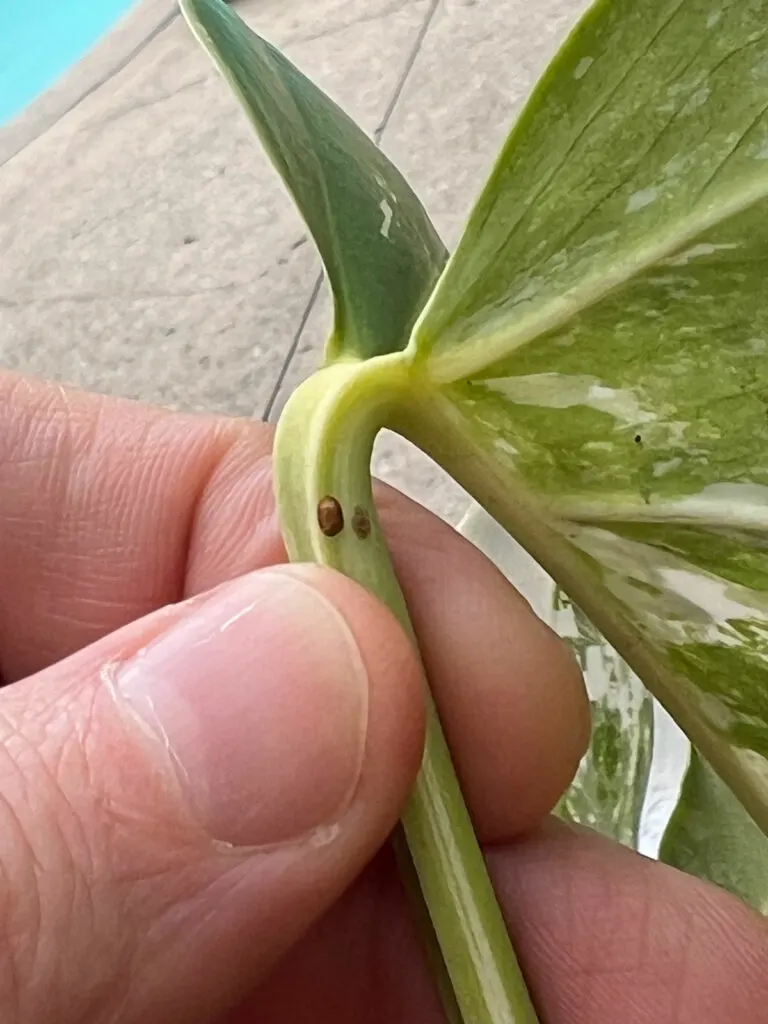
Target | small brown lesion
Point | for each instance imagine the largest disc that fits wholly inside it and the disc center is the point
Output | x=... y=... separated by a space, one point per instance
x=361 y=522
x=330 y=517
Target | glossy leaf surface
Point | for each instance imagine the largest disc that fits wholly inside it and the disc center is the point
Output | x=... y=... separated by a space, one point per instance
x=601 y=335
x=637 y=784
x=379 y=248
x=633 y=184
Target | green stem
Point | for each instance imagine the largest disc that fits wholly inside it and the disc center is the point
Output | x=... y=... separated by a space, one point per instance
x=323 y=450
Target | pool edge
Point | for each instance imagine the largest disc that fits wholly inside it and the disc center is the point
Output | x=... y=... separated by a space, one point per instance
x=115 y=50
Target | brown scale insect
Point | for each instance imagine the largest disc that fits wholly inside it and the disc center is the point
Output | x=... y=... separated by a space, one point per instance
x=361 y=522
x=330 y=517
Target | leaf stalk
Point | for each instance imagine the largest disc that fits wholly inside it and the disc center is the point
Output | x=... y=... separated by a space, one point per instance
x=323 y=451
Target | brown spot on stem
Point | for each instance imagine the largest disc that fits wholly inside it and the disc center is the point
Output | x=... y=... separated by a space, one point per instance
x=361 y=522
x=330 y=517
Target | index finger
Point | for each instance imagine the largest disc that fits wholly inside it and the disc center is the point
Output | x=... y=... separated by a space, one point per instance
x=100 y=500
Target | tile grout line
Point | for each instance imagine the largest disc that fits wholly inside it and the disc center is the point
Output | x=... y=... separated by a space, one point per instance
x=412 y=56
x=103 y=80
x=378 y=133
x=313 y=296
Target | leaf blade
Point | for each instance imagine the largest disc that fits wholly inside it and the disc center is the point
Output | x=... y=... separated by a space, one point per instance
x=381 y=253
x=610 y=359
x=662 y=607
x=535 y=251
x=638 y=783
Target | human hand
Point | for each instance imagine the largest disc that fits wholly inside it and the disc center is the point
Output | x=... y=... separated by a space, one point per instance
x=195 y=782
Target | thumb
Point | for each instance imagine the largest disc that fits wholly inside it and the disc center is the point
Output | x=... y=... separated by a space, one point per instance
x=181 y=800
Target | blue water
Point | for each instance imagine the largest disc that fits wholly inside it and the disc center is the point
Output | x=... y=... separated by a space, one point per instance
x=40 y=39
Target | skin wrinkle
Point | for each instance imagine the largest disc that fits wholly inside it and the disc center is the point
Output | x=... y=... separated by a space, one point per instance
x=139 y=476
x=206 y=484
x=75 y=749
x=21 y=927
x=680 y=994
x=125 y=495
x=600 y=973
x=586 y=986
x=84 y=855
x=10 y=985
x=241 y=482
x=194 y=915
x=73 y=897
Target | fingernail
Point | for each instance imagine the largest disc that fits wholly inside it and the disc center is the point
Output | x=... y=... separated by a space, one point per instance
x=260 y=697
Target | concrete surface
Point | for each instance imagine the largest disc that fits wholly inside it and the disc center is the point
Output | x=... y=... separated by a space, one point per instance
x=146 y=246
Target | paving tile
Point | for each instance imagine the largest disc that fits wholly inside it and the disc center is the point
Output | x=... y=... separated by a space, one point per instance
x=129 y=36
x=148 y=247
x=476 y=67
x=289 y=23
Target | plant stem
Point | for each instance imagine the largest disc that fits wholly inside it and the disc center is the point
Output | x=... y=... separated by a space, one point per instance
x=323 y=450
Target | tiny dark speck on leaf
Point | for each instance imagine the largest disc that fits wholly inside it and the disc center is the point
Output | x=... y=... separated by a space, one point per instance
x=189 y=239
x=638 y=439
x=361 y=522
x=330 y=517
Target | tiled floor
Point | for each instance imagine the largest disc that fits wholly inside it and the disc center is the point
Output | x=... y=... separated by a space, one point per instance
x=147 y=248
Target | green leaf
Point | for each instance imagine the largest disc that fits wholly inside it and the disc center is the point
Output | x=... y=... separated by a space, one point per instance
x=636 y=176
x=628 y=785
x=712 y=836
x=595 y=355
x=380 y=250
x=609 y=790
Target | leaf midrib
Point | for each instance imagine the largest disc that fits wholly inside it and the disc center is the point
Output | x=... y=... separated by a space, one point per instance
x=469 y=356
x=708 y=514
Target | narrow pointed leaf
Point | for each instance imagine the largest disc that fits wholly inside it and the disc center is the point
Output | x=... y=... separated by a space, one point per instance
x=600 y=340
x=380 y=251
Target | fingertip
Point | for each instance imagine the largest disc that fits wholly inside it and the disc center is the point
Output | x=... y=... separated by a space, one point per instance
x=606 y=934
x=510 y=693
x=246 y=753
